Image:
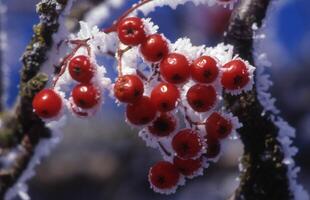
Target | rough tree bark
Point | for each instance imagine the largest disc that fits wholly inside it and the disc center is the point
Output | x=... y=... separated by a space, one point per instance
x=264 y=175
x=21 y=127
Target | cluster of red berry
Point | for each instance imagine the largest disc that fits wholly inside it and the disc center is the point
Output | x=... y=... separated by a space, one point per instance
x=178 y=87
x=156 y=112
x=85 y=95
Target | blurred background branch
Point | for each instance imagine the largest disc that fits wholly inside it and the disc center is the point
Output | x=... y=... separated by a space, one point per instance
x=264 y=175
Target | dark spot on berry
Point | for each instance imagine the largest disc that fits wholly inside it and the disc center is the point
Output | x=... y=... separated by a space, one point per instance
x=81 y=102
x=176 y=77
x=222 y=130
x=137 y=93
x=164 y=105
x=160 y=55
x=161 y=180
x=184 y=147
x=44 y=112
x=144 y=120
x=161 y=125
x=207 y=73
x=77 y=70
x=238 y=80
x=198 y=103
x=130 y=31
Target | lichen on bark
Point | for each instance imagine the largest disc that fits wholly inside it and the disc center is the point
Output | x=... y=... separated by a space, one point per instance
x=28 y=129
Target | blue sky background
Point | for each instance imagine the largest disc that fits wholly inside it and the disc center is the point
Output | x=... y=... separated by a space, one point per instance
x=288 y=48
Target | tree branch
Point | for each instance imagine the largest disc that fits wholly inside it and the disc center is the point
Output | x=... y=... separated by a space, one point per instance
x=264 y=175
x=23 y=128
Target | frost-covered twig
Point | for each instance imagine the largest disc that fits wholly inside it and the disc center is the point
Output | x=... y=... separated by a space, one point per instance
x=24 y=127
x=266 y=164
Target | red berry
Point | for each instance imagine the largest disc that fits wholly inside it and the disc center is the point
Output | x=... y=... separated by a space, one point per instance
x=163 y=125
x=235 y=75
x=217 y=126
x=80 y=69
x=164 y=175
x=131 y=31
x=85 y=95
x=187 y=167
x=128 y=88
x=141 y=112
x=201 y=97
x=204 y=69
x=154 y=48
x=187 y=144
x=175 y=68
x=165 y=96
x=213 y=147
x=46 y=103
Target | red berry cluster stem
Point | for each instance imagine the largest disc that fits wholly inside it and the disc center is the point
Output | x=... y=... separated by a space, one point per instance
x=63 y=65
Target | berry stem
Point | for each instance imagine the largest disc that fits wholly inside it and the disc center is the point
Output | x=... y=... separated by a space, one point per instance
x=130 y=10
x=141 y=75
x=163 y=148
x=189 y=119
x=65 y=60
x=120 y=53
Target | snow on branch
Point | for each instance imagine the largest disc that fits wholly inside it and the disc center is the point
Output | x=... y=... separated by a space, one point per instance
x=29 y=131
x=266 y=136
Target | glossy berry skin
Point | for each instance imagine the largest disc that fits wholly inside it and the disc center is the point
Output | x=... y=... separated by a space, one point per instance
x=85 y=96
x=213 y=147
x=235 y=75
x=165 y=96
x=141 y=112
x=187 y=167
x=163 y=125
x=131 y=31
x=175 y=68
x=47 y=103
x=187 y=144
x=154 y=48
x=164 y=175
x=80 y=69
x=201 y=98
x=217 y=126
x=204 y=69
x=128 y=88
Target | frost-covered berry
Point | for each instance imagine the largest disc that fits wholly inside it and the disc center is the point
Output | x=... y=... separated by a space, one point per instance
x=47 y=103
x=80 y=69
x=204 y=69
x=85 y=95
x=235 y=75
x=165 y=96
x=164 y=175
x=213 y=147
x=201 y=98
x=128 y=88
x=175 y=68
x=154 y=48
x=141 y=112
x=131 y=31
x=217 y=126
x=187 y=167
x=187 y=144
x=163 y=125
